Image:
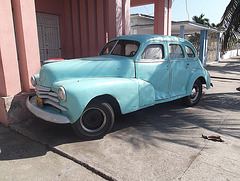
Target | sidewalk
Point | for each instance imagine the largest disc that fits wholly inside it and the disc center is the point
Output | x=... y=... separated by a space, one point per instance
x=162 y=142
x=24 y=159
x=228 y=69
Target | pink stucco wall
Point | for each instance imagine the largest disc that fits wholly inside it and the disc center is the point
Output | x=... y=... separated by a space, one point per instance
x=86 y=24
x=27 y=40
x=9 y=73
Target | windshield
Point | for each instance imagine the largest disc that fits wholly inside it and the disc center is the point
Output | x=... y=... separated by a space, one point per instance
x=126 y=48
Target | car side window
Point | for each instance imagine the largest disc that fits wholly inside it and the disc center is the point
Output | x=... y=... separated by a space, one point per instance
x=175 y=51
x=190 y=52
x=153 y=51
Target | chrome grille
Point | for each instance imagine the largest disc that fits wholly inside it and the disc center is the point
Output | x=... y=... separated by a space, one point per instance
x=49 y=97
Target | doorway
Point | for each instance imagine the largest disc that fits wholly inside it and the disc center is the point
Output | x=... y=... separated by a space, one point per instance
x=48 y=36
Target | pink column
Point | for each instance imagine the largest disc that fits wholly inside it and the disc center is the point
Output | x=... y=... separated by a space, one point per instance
x=169 y=17
x=100 y=24
x=162 y=14
x=110 y=15
x=27 y=39
x=68 y=38
x=119 y=17
x=92 y=27
x=84 y=28
x=76 y=28
x=126 y=17
x=160 y=17
x=9 y=72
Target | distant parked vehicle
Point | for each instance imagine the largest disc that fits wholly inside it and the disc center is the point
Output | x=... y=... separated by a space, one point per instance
x=130 y=73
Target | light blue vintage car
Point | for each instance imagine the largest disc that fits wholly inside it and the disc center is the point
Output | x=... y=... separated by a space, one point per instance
x=130 y=73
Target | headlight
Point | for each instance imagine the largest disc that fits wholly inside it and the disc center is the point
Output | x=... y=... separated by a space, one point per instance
x=62 y=94
x=33 y=81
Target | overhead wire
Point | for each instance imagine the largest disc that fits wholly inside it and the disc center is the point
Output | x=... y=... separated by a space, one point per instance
x=187 y=10
x=186 y=5
x=147 y=10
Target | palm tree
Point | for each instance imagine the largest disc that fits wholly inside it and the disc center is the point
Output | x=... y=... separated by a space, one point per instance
x=230 y=22
x=201 y=20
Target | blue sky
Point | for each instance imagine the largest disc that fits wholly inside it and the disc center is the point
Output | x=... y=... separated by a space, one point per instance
x=213 y=9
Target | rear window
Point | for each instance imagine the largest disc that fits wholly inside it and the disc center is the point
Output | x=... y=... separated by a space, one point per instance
x=190 y=52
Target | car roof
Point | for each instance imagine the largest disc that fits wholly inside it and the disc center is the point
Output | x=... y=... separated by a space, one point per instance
x=147 y=37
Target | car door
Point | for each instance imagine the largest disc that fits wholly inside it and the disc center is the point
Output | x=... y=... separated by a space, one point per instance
x=179 y=66
x=192 y=58
x=153 y=67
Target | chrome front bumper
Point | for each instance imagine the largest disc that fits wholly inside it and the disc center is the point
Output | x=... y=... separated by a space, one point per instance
x=31 y=104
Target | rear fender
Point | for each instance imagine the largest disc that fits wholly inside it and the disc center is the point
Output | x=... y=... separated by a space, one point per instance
x=198 y=75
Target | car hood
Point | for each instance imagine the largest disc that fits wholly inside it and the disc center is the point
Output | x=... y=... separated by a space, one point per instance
x=100 y=66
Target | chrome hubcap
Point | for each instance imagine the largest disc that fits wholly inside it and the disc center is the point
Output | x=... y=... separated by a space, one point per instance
x=195 y=93
x=93 y=120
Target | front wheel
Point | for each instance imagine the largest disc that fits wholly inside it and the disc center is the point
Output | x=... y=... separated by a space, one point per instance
x=195 y=95
x=96 y=121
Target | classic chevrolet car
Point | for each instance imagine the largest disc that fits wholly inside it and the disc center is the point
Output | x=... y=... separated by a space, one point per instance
x=130 y=73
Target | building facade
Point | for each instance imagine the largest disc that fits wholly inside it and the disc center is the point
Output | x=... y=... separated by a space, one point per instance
x=144 y=24
x=34 y=30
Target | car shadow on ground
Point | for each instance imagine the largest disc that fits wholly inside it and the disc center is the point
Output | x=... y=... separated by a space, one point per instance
x=175 y=123
x=14 y=146
x=169 y=122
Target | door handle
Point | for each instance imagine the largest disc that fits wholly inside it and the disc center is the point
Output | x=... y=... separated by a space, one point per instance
x=187 y=66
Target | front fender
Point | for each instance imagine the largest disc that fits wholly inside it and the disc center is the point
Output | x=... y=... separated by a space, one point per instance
x=81 y=91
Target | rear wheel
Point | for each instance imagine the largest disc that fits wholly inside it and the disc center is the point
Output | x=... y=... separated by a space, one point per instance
x=195 y=95
x=95 y=122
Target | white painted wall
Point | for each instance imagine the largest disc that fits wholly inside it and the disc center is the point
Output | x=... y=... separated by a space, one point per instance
x=230 y=53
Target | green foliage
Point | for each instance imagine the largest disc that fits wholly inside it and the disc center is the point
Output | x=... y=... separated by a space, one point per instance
x=204 y=21
x=201 y=20
x=230 y=22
